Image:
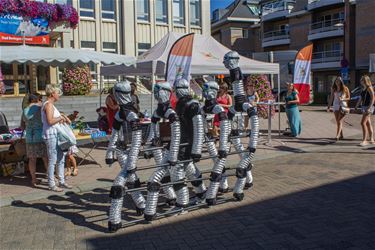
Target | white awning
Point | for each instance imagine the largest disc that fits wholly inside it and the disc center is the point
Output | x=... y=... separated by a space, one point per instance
x=61 y=57
x=207 y=59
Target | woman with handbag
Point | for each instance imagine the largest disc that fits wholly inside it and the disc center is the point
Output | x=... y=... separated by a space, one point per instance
x=340 y=95
x=367 y=100
x=51 y=117
x=35 y=146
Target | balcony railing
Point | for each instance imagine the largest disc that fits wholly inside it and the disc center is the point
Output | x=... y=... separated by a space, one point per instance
x=275 y=35
x=278 y=6
x=327 y=56
x=324 y=26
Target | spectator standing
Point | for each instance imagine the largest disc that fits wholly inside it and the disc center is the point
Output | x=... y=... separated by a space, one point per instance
x=56 y=157
x=292 y=111
x=224 y=100
x=102 y=119
x=35 y=146
x=135 y=98
x=367 y=101
x=339 y=97
x=252 y=97
x=112 y=108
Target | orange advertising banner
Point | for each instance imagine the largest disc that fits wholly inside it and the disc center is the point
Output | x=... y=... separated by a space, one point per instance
x=41 y=40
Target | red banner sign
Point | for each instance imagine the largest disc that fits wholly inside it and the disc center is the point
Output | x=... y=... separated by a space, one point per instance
x=7 y=38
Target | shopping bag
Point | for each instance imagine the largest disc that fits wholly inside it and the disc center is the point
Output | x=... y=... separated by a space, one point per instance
x=65 y=137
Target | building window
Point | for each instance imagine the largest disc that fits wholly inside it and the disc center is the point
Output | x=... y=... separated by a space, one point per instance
x=143 y=10
x=161 y=11
x=88 y=45
x=87 y=8
x=195 y=12
x=71 y=43
x=178 y=12
x=108 y=9
x=245 y=33
x=68 y=2
x=143 y=47
x=109 y=47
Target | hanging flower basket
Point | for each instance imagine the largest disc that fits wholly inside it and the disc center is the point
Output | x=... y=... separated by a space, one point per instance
x=77 y=81
x=55 y=14
x=264 y=90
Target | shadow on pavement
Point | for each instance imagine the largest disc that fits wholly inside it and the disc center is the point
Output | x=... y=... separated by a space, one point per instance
x=76 y=207
x=334 y=216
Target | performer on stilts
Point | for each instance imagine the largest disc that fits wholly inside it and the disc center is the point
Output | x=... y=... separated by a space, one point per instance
x=231 y=62
x=162 y=93
x=192 y=132
x=127 y=156
x=211 y=106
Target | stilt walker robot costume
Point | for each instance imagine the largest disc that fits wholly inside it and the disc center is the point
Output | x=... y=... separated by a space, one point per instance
x=231 y=62
x=126 y=118
x=211 y=106
x=162 y=93
x=192 y=132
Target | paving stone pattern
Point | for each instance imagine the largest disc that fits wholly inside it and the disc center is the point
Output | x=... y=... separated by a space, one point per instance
x=323 y=199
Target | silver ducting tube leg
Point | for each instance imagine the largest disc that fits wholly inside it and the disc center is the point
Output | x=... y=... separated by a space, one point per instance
x=198 y=136
x=122 y=157
x=212 y=151
x=224 y=135
x=175 y=141
x=168 y=190
x=224 y=186
x=193 y=173
x=109 y=156
x=215 y=178
x=182 y=191
x=137 y=197
x=153 y=187
x=117 y=198
x=241 y=177
x=249 y=179
x=238 y=146
x=254 y=137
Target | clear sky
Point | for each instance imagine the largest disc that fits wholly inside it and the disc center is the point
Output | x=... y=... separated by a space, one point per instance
x=219 y=4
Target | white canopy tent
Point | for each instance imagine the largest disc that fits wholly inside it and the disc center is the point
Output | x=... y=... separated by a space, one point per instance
x=207 y=58
x=59 y=57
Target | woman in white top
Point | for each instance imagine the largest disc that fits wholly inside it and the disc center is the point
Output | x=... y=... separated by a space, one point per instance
x=340 y=95
x=50 y=118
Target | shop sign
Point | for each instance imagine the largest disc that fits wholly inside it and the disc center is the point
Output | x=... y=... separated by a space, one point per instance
x=12 y=28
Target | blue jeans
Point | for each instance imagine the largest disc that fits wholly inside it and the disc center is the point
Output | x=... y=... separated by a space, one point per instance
x=55 y=157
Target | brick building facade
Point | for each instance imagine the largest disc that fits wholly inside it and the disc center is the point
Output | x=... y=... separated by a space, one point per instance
x=338 y=29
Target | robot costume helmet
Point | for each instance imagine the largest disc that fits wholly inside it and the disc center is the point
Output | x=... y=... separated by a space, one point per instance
x=122 y=92
x=231 y=60
x=181 y=88
x=210 y=90
x=162 y=92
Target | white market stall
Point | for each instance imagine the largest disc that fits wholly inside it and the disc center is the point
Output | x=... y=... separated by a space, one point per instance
x=60 y=57
x=207 y=58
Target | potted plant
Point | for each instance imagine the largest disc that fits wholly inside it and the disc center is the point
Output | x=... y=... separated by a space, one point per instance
x=77 y=80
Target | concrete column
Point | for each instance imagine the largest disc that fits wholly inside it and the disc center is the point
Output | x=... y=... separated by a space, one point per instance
x=128 y=26
x=75 y=32
x=152 y=21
